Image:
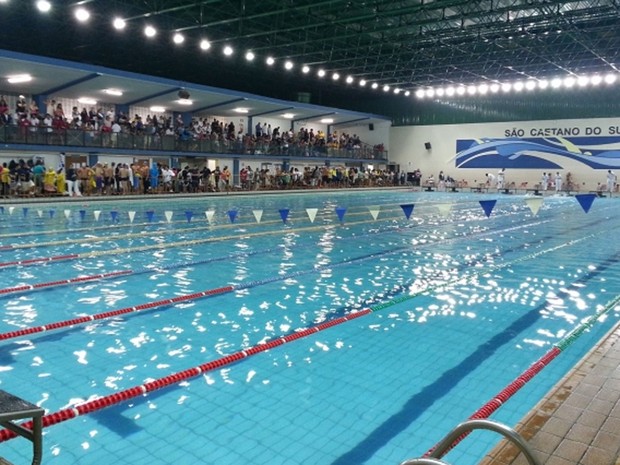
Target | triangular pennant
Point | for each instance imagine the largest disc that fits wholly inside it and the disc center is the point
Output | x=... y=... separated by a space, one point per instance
x=374 y=211
x=585 y=200
x=407 y=209
x=114 y=215
x=132 y=216
x=82 y=214
x=150 y=215
x=340 y=211
x=232 y=214
x=25 y=210
x=97 y=214
x=189 y=215
x=1 y=209
x=11 y=210
x=258 y=215
x=284 y=214
x=444 y=209
x=312 y=213
x=52 y=213
x=67 y=214
x=168 y=215
x=487 y=206
x=40 y=213
x=209 y=214
x=534 y=204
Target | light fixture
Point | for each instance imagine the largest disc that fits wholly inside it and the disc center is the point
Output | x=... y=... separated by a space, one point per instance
x=228 y=50
x=569 y=82
x=288 y=116
x=349 y=79
x=82 y=14
x=250 y=56
x=205 y=44
x=419 y=93
x=119 y=23
x=556 y=83
x=335 y=76
x=241 y=110
x=530 y=84
x=494 y=88
x=460 y=90
x=397 y=91
x=450 y=91
x=44 y=6
x=386 y=88
x=543 y=84
x=440 y=92
x=114 y=92
x=374 y=85
x=506 y=87
x=321 y=73
x=518 y=86
x=150 y=31
x=178 y=38
x=327 y=121
x=270 y=61
x=430 y=92
x=185 y=101
x=305 y=69
x=483 y=89
x=157 y=109
x=471 y=90
x=19 y=78
x=596 y=80
x=87 y=101
x=362 y=82
x=288 y=65
x=610 y=78
x=407 y=93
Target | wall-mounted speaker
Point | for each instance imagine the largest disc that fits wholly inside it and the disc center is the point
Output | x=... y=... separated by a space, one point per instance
x=371 y=127
x=427 y=145
x=183 y=94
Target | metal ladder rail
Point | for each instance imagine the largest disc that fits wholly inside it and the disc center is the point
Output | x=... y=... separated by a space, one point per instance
x=466 y=427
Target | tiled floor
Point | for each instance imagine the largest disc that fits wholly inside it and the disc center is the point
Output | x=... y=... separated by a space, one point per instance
x=578 y=422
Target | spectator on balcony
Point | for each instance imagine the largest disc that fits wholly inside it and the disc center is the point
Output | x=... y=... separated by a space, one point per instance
x=20 y=106
x=4 y=106
x=47 y=123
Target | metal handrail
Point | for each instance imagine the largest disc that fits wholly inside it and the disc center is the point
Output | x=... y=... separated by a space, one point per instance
x=466 y=427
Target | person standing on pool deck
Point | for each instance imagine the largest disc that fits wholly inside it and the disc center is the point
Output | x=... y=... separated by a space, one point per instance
x=545 y=181
x=611 y=181
x=558 y=181
x=500 y=178
x=490 y=179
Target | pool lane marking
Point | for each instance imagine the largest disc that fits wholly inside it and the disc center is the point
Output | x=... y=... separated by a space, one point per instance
x=175 y=378
x=511 y=389
x=94 y=254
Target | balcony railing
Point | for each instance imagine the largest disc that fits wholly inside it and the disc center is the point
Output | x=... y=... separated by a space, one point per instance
x=91 y=139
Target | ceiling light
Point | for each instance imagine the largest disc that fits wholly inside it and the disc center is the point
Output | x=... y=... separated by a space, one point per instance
x=115 y=92
x=288 y=65
x=596 y=80
x=419 y=93
x=374 y=85
x=460 y=90
x=386 y=88
x=270 y=61
x=569 y=82
x=150 y=31
x=205 y=44
x=241 y=110
x=530 y=85
x=82 y=14
x=518 y=86
x=483 y=89
x=157 y=109
x=349 y=79
x=327 y=121
x=178 y=38
x=305 y=69
x=471 y=90
x=288 y=115
x=250 y=56
x=440 y=92
x=610 y=79
x=19 y=78
x=583 y=81
x=87 y=101
x=228 y=50
x=494 y=87
x=407 y=93
x=335 y=76
x=450 y=91
x=321 y=73
x=44 y=6
x=556 y=82
x=185 y=101
x=543 y=84
x=506 y=87
x=119 y=23
x=430 y=92
x=362 y=82
x=397 y=91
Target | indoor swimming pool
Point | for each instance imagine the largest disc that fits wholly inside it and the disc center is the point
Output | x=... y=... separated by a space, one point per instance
x=327 y=328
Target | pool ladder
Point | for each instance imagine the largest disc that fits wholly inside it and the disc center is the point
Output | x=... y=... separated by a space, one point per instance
x=434 y=458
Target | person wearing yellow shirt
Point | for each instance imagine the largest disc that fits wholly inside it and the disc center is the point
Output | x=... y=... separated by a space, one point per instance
x=61 y=182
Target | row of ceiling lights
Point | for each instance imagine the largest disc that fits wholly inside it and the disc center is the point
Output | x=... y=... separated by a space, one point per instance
x=83 y=15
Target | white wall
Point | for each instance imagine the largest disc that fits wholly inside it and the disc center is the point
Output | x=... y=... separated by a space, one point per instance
x=407 y=148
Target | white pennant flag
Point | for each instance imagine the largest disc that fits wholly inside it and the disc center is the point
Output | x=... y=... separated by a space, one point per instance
x=168 y=214
x=374 y=211
x=312 y=213
x=11 y=210
x=534 y=204
x=258 y=215
x=97 y=213
x=67 y=214
x=40 y=213
x=209 y=214
x=444 y=209
x=132 y=215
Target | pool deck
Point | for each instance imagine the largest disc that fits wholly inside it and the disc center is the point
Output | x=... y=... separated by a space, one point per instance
x=578 y=421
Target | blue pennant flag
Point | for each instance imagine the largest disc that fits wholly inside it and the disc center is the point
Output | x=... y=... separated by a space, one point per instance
x=52 y=212
x=585 y=200
x=284 y=214
x=232 y=214
x=114 y=215
x=407 y=209
x=82 y=214
x=340 y=211
x=487 y=206
x=149 y=215
x=25 y=210
x=189 y=215
x=2 y=209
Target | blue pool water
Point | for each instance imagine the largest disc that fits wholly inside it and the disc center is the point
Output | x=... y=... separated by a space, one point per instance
x=464 y=303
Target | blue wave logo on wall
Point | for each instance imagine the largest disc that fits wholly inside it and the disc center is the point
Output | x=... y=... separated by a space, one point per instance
x=538 y=153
